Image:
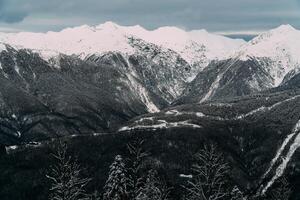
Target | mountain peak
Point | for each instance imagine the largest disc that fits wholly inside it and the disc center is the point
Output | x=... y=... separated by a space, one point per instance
x=278 y=34
x=108 y=25
x=285 y=28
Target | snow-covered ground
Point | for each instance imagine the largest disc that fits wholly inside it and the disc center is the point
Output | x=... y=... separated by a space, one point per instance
x=162 y=124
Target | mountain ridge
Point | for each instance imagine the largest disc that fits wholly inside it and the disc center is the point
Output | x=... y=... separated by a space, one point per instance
x=115 y=37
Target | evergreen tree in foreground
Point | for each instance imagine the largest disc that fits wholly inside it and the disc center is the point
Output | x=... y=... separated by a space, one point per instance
x=136 y=165
x=117 y=184
x=67 y=183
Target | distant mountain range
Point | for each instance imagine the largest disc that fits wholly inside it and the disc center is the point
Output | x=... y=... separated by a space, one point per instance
x=111 y=78
x=143 y=71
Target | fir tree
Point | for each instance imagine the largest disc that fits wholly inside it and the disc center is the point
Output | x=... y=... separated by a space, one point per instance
x=136 y=161
x=117 y=184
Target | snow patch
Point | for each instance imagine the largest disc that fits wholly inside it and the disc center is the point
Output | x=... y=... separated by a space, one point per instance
x=186 y=176
x=143 y=93
x=215 y=85
x=285 y=158
x=161 y=125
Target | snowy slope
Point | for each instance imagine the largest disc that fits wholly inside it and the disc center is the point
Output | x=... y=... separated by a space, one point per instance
x=269 y=60
x=278 y=50
x=2 y=47
x=83 y=40
x=193 y=46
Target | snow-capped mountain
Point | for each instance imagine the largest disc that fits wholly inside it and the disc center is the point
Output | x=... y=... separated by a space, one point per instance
x=278 y=50
x=86 y=40
x=163 y=61
x=66 y=95
x=158 y=65
x=198 y=48
x=265 y=62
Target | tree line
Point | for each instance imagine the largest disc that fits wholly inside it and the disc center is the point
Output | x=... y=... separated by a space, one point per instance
x=130 y=178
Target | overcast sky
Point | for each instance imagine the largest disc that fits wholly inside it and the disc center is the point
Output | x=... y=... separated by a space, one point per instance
x=213 y=15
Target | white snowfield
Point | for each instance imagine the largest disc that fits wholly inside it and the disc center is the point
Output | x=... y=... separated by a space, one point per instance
x=86 y=40
x=282 y=41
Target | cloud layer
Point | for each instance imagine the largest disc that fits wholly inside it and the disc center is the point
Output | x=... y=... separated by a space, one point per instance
x=214 y=15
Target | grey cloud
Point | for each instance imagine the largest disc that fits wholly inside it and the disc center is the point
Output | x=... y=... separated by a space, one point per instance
x=10 y=15
x=215 y=15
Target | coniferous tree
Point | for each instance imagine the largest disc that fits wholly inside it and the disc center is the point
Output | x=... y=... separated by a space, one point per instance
x=65 y=176
x=136 y=160
x=118 y=183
